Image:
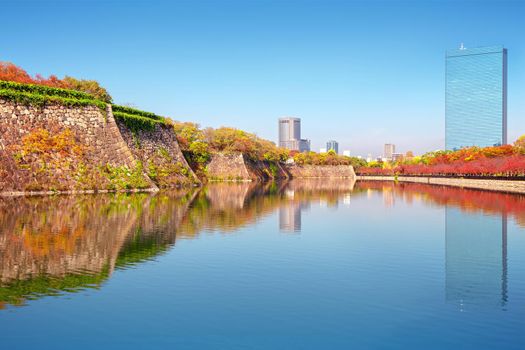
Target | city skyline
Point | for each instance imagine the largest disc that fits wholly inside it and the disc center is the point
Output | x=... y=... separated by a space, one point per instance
x=364 y=74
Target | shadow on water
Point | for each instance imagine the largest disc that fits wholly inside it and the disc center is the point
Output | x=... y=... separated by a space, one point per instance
x=64 y=244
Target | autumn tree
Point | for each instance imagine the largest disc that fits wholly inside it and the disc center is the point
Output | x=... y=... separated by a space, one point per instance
x=91 y=87
x=520 y=144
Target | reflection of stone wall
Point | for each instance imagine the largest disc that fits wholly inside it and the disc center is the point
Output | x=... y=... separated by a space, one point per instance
x=228 y=195
x=160 y=154
x=55 y=236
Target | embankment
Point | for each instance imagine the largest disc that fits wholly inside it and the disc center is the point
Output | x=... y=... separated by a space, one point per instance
x=238 y=167
x=83 y=147
x=514 y=186
x=158 y=150
x=321 y=171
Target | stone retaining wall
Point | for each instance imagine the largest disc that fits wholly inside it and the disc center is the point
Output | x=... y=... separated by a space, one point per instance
x=320 y=171
x=160 y=154
x=237 y=167
x=515 y=186
x=93 y=130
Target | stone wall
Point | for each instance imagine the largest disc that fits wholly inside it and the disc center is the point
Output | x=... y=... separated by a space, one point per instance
x=320 y=171
x=160 y=154
x=228 y=167
x=515 y=186
x=93 y=130
x=237 y=167
x=93 y=143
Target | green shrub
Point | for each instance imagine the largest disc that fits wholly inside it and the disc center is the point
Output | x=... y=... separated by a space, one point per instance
x=38 y=100
x=136 y=112
x=44 y=90
x=136 y=122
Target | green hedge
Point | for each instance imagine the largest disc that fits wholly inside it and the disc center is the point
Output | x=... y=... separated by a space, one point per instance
x=34 y=99
x=137 y=122
x=136 y=112
x=44 y=90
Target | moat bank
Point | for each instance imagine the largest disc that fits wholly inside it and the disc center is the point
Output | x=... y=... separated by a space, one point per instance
x=513 y=186
x=87 y=147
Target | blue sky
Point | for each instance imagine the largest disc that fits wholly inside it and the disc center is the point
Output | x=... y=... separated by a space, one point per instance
x=363 y=73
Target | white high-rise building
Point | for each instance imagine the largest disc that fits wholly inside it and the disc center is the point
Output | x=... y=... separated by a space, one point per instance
x=290 y=135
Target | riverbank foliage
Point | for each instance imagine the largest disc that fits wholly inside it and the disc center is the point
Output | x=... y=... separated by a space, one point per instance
x=499 y=161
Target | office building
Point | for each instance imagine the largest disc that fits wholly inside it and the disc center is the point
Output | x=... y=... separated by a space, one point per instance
x=397 y=156
x=476 y=97
x=390 y=149
x=332 y=145
x=346 y=153
x=322 y=150
x=290 y=135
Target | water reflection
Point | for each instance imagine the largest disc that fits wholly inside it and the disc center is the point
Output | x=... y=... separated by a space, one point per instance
x=476 y=258
x=475 y=237
x=57 y=245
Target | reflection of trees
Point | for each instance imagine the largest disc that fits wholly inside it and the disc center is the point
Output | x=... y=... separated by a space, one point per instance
x=68 y=243
x=52 y=245
x=468 y=200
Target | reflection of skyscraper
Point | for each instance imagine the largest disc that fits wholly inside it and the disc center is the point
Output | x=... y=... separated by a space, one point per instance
x=476 y=258
x=290 y=216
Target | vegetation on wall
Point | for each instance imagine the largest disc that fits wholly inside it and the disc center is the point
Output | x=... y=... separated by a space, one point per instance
x=136 y=112
x=136 y=122
x=328 y=158
x=41 y=100
x=10 y=72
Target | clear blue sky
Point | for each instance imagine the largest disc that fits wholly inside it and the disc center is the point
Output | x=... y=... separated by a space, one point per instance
x=363 y=73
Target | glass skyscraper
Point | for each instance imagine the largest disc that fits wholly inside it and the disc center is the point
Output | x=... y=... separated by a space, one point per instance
x=476 y=97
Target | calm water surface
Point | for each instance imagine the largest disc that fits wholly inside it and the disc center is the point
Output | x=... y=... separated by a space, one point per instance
x=303 y=265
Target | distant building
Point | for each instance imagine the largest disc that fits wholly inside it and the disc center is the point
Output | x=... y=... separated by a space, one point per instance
x=322 y=150
x=290 y=135
x=346 y=153
x=332 y=145
x=369 y=158
x=397 y=156
x=476 y=97
x=390 y=149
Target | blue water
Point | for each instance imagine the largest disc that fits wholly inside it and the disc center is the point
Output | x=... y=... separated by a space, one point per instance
x=290 y=266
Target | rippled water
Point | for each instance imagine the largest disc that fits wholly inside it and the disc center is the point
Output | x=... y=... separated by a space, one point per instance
x=314 y=264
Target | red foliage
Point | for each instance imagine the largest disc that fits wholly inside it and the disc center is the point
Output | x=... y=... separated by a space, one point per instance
x=474 y=161
x=10 y=72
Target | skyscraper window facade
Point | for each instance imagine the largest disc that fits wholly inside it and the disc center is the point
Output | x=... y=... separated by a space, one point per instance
x=290 y=135
x=332 y=145
x=476 y=97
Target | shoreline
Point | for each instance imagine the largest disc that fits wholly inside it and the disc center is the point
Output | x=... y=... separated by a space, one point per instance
x=497 y=185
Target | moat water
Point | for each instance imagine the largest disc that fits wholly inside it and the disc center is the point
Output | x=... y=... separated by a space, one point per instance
x=298 y=265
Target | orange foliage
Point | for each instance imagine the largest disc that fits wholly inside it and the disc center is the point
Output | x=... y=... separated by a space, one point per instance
x=11 y=72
